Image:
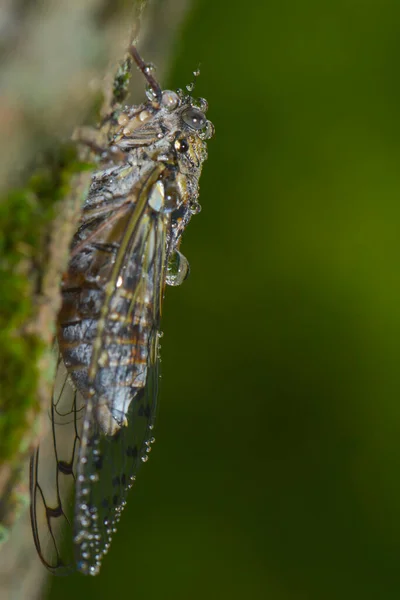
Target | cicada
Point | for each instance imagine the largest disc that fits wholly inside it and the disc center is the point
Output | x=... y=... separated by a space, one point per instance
x=124 y=252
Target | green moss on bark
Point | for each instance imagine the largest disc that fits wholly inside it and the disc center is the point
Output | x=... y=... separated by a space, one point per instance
x=26 y=216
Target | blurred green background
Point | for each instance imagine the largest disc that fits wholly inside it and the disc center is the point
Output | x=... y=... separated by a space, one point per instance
x=276 y=470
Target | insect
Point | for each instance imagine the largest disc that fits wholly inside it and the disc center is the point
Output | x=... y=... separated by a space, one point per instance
x=124 y=252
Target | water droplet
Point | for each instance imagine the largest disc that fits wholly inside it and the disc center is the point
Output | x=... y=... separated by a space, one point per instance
x=201 y=104
x=149 y=69
x=195 y=208
x=177 y=269
x=144 y=116
x=208 y=132
x=82 y=566
x=123 y=119
x=84 y=521
x=81 y=535
x=151 y=94
x=172 y=198
x=145 y=458
x=170 y=100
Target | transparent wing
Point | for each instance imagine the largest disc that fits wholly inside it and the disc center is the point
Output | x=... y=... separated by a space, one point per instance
x=98 y=442
x=52 y=475
x=107 y=470
x=120 y=413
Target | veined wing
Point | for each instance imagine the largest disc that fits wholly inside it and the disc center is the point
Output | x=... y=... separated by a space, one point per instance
x=107 y=470
x=123 y=375
x=52 y=475
x=99 y=441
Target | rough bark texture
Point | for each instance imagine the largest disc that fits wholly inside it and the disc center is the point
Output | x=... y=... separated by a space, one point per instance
x=53 y=58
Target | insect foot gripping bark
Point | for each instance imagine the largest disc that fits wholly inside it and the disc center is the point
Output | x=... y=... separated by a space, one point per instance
x=125 y=250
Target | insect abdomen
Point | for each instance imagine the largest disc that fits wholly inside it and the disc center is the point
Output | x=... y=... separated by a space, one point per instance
x=122 y=354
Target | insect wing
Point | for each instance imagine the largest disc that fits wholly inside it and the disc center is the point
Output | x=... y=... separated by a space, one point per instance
x=111 y=450
x=108 y=471
x=52 y=475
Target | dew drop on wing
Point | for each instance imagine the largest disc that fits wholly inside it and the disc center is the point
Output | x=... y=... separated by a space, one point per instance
x=178 y=269
x=98 y=512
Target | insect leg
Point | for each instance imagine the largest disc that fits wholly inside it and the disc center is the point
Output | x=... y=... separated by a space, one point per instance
x=96 y=142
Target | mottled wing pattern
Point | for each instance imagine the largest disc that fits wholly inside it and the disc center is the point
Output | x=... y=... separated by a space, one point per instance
x=107 y=470
x=120 y=412
x=52 y=477
x=99 y=441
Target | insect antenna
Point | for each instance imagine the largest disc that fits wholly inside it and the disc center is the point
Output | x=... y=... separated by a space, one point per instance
x=146 y=69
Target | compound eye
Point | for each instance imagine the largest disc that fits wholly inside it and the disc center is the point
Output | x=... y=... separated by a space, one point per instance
x=182 y=145
x=194 y=118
